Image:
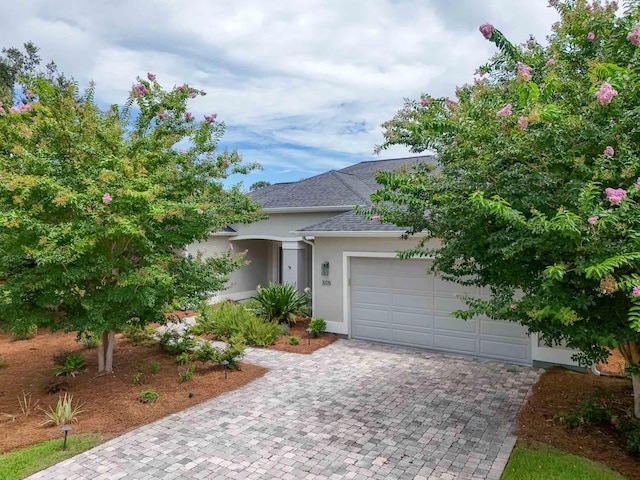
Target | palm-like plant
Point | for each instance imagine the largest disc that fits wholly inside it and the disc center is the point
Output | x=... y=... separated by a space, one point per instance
x=280 y=302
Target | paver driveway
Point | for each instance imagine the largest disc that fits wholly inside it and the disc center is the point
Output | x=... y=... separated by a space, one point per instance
x=351 y=410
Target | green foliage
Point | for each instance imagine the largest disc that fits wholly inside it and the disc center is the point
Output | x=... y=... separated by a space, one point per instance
x=96 y=206
x=260 y=332
x=21 y=463
x=525 y=203
x=24 y=332
x=630 y=430
x=89 y=340
x=73 y=363
x=280 y=302
x=140 y=335
x=232 y=353
x=227 y=319
x=188 y=373
x=178 y=343
x=317 y=327
x=591 y=411
x=259 y=184
x=64 y=413
x=154 y=367
x=293 y=340
x=148 y=396
x=284 y=329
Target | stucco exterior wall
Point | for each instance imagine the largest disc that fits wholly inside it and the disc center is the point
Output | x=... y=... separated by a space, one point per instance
x=281 y=224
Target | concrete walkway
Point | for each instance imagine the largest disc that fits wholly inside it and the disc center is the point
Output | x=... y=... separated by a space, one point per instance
x=351 y=410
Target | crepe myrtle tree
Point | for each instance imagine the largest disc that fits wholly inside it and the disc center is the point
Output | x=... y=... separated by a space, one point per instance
x=535 y=189
x=97 y=207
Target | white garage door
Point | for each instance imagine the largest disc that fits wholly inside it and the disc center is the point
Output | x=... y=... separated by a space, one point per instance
x=400 y=302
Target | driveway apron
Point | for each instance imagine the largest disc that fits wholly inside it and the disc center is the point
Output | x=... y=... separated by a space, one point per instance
x=350 y=410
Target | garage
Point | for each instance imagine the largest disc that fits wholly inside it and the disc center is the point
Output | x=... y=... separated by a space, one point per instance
x=399 y=302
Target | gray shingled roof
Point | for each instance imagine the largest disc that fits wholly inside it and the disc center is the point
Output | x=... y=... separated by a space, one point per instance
x=337 y=188
x=351 y=222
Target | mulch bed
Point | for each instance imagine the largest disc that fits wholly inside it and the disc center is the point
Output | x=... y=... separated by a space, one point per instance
x=299 y=329
x=559 y=390
x=111 y=406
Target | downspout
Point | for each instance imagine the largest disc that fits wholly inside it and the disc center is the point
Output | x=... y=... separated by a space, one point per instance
x=313 y=270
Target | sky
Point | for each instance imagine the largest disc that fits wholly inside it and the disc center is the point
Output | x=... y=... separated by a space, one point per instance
x=302 y=86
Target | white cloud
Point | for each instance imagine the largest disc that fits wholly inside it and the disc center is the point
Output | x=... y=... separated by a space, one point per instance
x=303 y=86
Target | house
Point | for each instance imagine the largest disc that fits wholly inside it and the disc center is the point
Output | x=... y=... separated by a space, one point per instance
x=313 y=238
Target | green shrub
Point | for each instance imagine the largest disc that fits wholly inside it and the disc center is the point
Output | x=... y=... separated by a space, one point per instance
x=226 y=319
x=594 y=410
x=88 y=339
x=139 y=335
x=232 y=353
x=24 y=332
x=73 y=363
x=64 y=413
x=154 y=367
x=280 y=302
x=293 y=340
x=178 y=343
x=259 y=332
x=317 y=327
x=284 y=329
x=188 y=374
x=148 y=396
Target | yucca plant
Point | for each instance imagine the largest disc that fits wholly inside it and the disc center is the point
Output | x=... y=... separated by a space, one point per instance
x=280 y=302
x=64 y=413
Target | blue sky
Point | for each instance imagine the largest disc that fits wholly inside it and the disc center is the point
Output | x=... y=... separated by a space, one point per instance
x=302 y=86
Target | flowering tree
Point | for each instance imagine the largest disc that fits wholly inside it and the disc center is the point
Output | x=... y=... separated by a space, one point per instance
x=97 y=207
x=535 y=192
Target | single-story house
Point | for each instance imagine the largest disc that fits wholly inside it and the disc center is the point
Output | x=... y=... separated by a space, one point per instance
x=313 y=238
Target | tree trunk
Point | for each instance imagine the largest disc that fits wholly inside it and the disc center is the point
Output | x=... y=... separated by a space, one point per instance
x=105 y=352
x=631 y=353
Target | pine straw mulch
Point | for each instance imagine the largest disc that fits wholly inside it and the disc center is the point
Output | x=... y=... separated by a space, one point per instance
x=306 y=345
x=559 y=390
x=110 y=402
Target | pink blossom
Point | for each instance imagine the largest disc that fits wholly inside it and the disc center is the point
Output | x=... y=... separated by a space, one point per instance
x=424 y=102
x=226 y=162
x=634 y=37
x=636 y=291
x=553 y=3
x=188 y=116
x=161 y=116
x=139 y=91
x=151 y=77
x=609 y=151
x=375 y=218
x=106 y=198
x=504 y=112
x=523 y=122
x=605 y=94
x=524 y=71
x=14 y=110
x=615 y=195
x=372 y=206
x=183 y=87
x=211 y=118
x=591 y=36
x=593 y=220
x=2 y=110
x=588 y=7
x=454 y=143
x=200 y=211
x=193 y=94
x=453 y=117
x=486 y=29
x=551 y=62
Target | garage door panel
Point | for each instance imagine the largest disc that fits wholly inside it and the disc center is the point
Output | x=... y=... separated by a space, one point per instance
x=455 y=343
x=417 y=320
x=400 y=302
x=502 y=329
x=412 y=337
x=454 y=324
x=502 y=349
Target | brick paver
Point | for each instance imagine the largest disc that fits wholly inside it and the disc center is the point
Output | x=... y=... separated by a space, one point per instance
x=352 y=410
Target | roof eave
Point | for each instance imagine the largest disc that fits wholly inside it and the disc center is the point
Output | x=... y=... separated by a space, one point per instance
x=336 y=208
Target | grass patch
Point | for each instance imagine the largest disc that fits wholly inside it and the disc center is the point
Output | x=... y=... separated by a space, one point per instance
x=26 y=461
x=536 y=461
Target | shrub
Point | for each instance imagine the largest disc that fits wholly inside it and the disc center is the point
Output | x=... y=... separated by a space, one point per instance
x=317 y=327
x=594 y=410
x=154 y=367
x=188 y=374
x=260 y=332
x=280 y=303
x=24 y=332
x=88 y=340
x=232 y=353
x=178 y=343
x=144 y=336
x=64 y=413
x=225 y=319
x=284 y=329
x=148 y=396
x=293 y=340
x=73 y=363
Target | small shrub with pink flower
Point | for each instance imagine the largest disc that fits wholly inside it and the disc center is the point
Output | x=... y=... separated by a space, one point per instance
x=540 y=200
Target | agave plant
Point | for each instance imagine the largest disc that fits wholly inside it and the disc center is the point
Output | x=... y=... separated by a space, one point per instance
x=64 y=413
x=280 y=302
